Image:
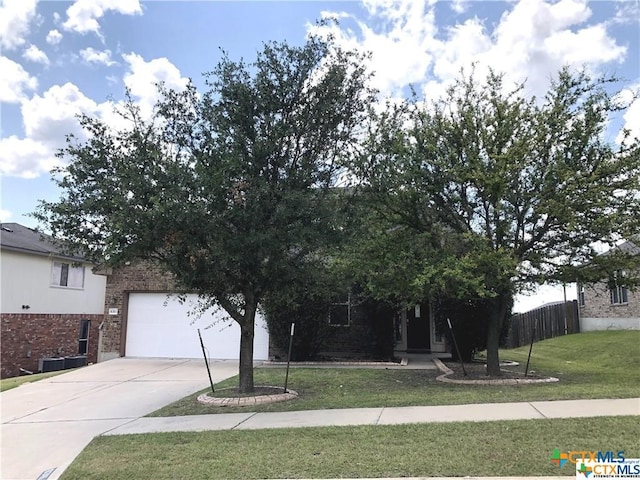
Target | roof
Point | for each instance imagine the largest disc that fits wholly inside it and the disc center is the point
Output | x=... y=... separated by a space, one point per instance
x=19 y=238
x=627 y=247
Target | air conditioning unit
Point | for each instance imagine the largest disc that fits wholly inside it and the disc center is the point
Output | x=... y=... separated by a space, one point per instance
x=50 y=364
x=75 y=361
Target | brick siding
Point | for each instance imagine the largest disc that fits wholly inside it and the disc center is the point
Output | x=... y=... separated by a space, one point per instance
x=598 y=304
x=370 y=334
x=142 y=276
x=28 y=337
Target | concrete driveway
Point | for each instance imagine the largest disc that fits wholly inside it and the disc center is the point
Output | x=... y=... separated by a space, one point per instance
x=46 y=424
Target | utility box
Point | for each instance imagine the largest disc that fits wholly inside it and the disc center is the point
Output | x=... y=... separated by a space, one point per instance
x=50 y=364
x=75 y=361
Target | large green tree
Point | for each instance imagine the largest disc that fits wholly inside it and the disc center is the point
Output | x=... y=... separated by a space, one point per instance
x=224 y=189
x=498 y=192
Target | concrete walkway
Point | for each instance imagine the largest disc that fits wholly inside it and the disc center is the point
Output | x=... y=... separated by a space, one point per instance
x=46 y=424
x=383 y=416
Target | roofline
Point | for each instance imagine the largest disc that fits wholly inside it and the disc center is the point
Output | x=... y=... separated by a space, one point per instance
x=45 y=254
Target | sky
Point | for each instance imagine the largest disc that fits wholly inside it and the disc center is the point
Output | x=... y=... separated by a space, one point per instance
x=62 y=58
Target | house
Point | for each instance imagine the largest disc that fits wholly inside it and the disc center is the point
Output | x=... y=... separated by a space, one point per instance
x=144 y=319
x=369 y=328
x=52 y=304
x=610 y=305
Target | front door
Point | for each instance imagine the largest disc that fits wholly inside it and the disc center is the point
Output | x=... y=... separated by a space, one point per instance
x=418 y=334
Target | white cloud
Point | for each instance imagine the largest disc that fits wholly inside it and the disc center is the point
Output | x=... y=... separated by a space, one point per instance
x=627 y=12
x=50 y=117
x=15 y=16
x=83 y=15
x=531 y=41
x=24 y=157
x=14 y=80
x=459 y=6
x=142 y=77
x=47 y=120
x=630 y=97
x=90 y=55
x=54 y=37
x=5 y=215
x=632 y=119
x=34 y=54
x=402 y=49
x=574 y=48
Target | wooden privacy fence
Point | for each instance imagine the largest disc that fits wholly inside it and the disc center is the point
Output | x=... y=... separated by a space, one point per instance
x=550 y=320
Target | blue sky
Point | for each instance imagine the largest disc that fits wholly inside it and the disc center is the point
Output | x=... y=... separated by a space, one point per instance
x=58 y=58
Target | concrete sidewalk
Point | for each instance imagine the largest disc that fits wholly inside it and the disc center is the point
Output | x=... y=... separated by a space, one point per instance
x=383 y=416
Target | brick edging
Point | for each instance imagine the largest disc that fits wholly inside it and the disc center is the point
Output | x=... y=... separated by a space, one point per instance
x=494 y=381
x=205 y=399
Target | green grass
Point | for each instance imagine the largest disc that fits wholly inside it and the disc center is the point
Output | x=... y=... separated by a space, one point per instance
x=513 y=448
x=589 y=365
x=9 y=383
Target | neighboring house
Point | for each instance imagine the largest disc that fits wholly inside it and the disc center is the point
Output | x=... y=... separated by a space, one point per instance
x=143 y=320
x=610 y=305
x=52 y=304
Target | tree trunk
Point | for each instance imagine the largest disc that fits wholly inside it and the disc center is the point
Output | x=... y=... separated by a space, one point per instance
x=246 y=348
x=499 y=307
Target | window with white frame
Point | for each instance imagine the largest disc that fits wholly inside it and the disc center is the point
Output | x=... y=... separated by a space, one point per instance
x=68 y=275
x=340 y=312
x=618 y=290
x=581 y=297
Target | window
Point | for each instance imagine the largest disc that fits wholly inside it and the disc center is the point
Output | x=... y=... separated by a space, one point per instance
x=340 y=313
x=581 y=300
x=83 y=340
x=67 y=275
x=618 y=290
x=619 y=295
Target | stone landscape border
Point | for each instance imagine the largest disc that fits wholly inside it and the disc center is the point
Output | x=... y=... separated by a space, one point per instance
x=205 y=399
x=490 y=381
x=274 y=363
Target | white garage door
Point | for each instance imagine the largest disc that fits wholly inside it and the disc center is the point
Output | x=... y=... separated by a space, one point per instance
x=159 y=326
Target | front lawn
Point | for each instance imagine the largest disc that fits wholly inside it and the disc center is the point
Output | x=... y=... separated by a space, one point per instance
x=589 y=365
x=9 y=383
x=505 y=448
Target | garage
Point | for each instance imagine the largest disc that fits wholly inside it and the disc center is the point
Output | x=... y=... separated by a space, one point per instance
x=159 y=326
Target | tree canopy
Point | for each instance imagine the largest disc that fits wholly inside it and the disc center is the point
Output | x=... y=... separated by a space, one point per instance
x=225 y=189
x=486 y=192
x=478 y=195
